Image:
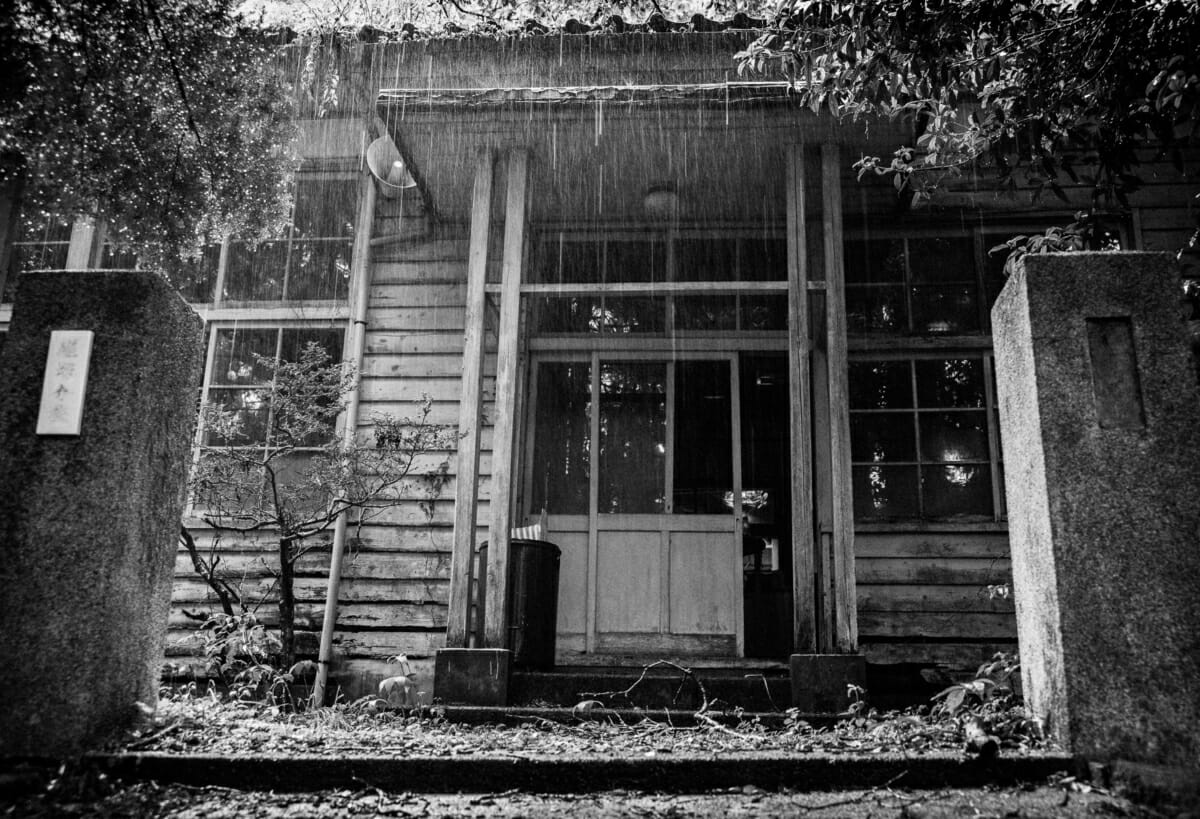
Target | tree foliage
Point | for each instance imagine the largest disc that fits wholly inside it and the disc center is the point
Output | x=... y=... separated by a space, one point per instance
x=1040 y=90
x=155 y=114
x=294 y=485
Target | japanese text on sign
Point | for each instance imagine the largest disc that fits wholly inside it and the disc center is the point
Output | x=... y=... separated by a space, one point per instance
x=63 y=391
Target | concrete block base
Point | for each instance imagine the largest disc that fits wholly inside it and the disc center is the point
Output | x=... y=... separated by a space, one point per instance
x=819 y=680
x=472 y=676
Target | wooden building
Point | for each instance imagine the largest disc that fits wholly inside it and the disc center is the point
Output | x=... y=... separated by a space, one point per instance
x=753 y=395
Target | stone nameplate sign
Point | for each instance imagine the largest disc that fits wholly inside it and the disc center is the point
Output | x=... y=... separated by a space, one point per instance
x=65 y=386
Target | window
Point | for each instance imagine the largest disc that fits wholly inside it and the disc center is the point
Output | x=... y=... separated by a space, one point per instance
x=313 y=261
x=665 y=432
x=241 y=367
x=919 y=285
x=923 y=421
x=923 y=438
x=241 y=465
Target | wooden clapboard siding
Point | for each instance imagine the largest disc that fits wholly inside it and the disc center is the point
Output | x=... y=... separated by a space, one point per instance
x=922 y=596
x=395 y=579
x=414 y=349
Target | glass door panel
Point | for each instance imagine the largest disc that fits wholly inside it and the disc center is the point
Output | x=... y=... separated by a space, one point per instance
x=703 y=451
x=562 y=445
x=633 y=434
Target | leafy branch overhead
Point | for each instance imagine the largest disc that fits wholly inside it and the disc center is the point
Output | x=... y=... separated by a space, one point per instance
x=162 y=116
x=1042 y=91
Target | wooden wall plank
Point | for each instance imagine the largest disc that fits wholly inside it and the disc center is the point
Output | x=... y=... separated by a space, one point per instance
x=192 y=590
x=930 y=544
x=978 y=572
x=939 y=625
x=420 y=318
x=421 y=294
x=964 y=655
x=416 y=343
x=453 y=270
x=414 y=368
x=929 y=598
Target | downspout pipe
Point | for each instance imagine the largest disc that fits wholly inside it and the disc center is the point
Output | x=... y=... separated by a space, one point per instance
x=361 y=265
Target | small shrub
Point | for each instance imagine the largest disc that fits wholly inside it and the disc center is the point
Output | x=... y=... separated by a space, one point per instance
x=245 y=656
x=993 y=698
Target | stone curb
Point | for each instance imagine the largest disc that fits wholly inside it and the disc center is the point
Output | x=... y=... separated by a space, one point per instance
x=496 y=774
x=517 y=715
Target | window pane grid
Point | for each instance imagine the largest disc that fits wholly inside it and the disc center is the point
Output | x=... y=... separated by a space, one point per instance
x=311 y=262
x=929 y=458
x=237 y=375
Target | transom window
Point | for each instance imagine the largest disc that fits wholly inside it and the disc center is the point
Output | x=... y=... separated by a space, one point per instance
x=659 y=283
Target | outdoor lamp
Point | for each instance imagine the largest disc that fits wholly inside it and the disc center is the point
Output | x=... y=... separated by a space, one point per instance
x=661 y=201
x=387 y=166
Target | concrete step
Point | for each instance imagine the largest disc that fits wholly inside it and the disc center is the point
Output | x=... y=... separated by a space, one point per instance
x=660 y=688
x=681 y=773
x=674 y=717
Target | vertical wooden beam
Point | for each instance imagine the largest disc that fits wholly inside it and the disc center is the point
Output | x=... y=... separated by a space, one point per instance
x=466 y=486
x=10 y=206
x=739 y=529
x=845 y=595
x=495 y=625
x=593 y=582
x=87 y=244
x=803 y=587
x=826 y=615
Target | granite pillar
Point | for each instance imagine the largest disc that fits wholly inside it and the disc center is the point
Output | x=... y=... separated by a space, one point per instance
x=89 y=522
x=1100 y=422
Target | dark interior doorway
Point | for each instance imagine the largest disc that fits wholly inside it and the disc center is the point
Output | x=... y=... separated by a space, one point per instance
x=766 y=503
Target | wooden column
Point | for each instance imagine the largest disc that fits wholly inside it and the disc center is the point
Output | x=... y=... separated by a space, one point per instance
x=87 y=244
x=504 y=428
x=466 y=486
x=799 y=349
x=10 y=201
x=845 y=604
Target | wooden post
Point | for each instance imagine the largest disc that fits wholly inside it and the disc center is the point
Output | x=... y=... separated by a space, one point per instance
x=466 y=487
x=845 y=596
x=803 y=587
x=495 y=626
x=10 y=206
x=87 y=244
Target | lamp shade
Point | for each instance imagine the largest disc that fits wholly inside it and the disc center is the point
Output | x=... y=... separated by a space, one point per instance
x=387 y=166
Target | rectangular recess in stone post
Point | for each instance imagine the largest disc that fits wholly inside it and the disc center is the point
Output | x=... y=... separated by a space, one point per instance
x=1115 y=384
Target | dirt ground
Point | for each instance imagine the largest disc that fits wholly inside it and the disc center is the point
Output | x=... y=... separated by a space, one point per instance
x=153 y=800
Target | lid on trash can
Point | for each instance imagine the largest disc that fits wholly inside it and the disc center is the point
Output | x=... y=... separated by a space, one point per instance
x=536 y=544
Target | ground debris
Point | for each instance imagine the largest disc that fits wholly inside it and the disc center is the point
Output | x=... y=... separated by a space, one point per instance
x=148 y=799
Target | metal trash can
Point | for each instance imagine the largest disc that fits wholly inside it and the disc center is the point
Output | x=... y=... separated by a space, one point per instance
x=532 y=601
